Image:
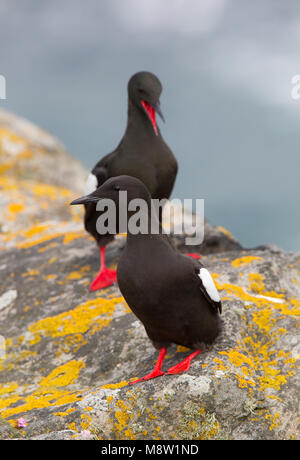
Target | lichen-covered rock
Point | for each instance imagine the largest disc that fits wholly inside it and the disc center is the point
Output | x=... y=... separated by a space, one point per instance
x=70 y=354
x=38 y=178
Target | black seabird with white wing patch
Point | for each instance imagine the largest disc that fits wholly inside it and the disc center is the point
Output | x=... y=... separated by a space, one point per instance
x=142 y=153
x=172 y=294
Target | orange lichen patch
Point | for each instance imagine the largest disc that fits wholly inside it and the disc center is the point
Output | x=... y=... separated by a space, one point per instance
x=50 y=191
x=64 y=414
x=254 y=362
x=12 y=144
x=29 y=244
x=63 y=375
x=95 y=314
x=86 y=421
x=76 y=275
x=274 y=420
x=8 y=388
x=8 y=183
x=48 y=246
x=296 y=307
x=70 y=344
x=15 y=207
x=39 y=399
x=52 y=276
x=123 y=415
x=226 y=232
x=52 y=260
x=245 y=261
x=256 y=283
x=35 y=230
x=72 y=427
x=113 y=386
x=71 y=236
x=32 y=272
x=242 y=294
x=181 y=348
x=49 y=392
x=237 y=358
x=6 y=166
x=258 y=362
x=30 y=233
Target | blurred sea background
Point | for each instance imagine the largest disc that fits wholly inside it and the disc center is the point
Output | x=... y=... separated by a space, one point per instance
x=226 y=68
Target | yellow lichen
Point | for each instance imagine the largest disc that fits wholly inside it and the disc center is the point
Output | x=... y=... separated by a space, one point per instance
x=115 y=385
x=15 y=207
x=97 y=313
x=50 y=191
x=256 y=283
x=240 y=262
x=71 y=236
x=63 y=375
x=64 y=414
x=226 y=232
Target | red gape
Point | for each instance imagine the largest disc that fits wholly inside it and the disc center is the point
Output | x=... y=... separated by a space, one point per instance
x=151 y=114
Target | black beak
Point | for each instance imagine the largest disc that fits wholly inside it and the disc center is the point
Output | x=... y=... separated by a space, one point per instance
x=158 y=110
x=85 y=200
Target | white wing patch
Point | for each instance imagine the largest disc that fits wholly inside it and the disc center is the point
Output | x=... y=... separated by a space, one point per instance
x=209 y=285
x=91 y=184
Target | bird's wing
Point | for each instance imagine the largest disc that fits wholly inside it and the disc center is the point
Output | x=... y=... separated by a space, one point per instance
x=208 y=288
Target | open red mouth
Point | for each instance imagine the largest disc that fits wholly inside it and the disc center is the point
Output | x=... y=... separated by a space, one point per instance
x=151 y=114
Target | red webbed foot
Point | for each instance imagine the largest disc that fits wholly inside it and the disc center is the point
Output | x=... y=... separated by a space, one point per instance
x=195 y=255
x=184 y=365
x=150 y=376
x=105 y=278
x=157 y=372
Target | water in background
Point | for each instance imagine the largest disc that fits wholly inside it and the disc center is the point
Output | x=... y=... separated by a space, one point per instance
x=226 y=67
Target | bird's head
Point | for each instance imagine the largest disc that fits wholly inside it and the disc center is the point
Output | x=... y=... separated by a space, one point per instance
x=144 y=89
x=133 y=187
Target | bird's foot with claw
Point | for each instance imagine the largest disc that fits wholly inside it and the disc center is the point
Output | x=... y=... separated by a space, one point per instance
x=184 y=365
x=106 y=277
x=152 y=375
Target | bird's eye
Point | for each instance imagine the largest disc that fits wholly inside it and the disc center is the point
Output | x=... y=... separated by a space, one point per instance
x=117 y=187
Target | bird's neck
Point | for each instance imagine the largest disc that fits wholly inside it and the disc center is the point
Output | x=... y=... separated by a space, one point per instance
x=148 y=245
x=151 y=232
x=138 y=123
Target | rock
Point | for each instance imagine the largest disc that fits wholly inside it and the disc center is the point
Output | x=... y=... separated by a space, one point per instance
x=70 y=354
x=38 y=178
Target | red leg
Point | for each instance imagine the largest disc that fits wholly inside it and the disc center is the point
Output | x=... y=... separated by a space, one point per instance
x=194 y=255
x=184 y=365
x=157 y=372
x=105 y=277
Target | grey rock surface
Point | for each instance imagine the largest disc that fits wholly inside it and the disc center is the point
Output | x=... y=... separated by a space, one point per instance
x=70 y=354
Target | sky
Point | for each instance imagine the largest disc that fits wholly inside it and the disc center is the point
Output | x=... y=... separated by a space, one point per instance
x=226 y=68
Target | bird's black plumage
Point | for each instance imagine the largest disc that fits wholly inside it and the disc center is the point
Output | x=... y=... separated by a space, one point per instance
x=142 y=152
x=171 y=294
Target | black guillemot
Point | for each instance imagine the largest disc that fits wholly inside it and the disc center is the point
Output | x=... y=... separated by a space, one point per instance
x=173 y=295
x=142 y=153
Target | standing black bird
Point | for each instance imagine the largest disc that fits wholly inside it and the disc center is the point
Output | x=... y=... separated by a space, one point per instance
x=173 y=295
x=142 y=153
